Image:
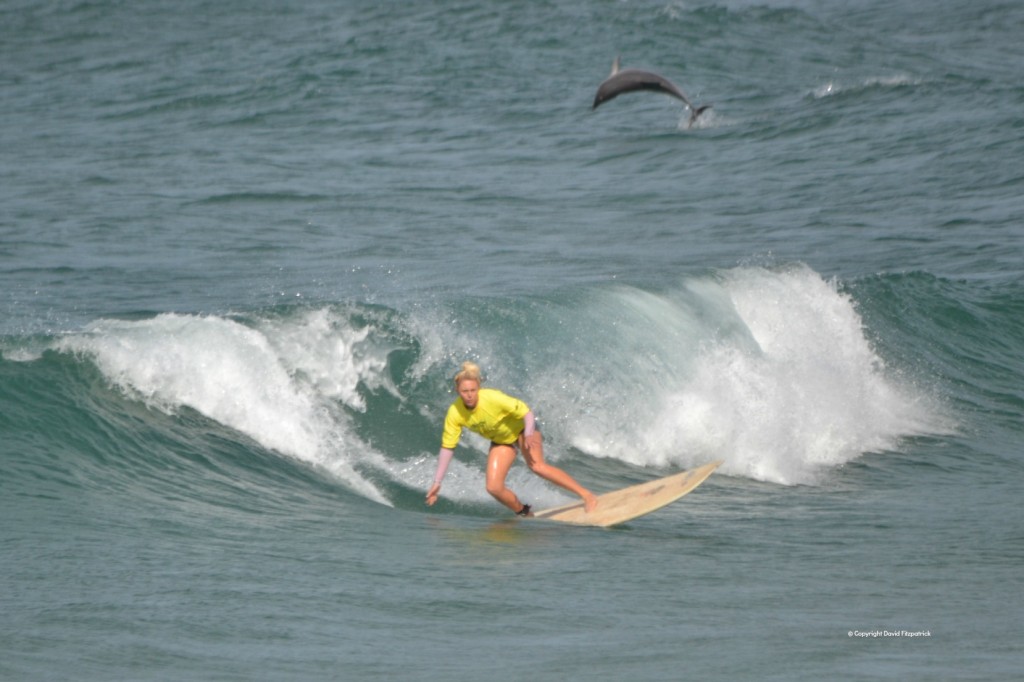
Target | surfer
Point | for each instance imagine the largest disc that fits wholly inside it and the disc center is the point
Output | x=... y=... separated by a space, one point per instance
x=508 y=423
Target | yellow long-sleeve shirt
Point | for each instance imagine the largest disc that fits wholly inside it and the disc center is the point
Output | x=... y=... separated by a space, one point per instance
x=497 y=417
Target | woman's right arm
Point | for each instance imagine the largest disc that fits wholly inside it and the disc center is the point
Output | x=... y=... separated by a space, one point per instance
x=444 y=457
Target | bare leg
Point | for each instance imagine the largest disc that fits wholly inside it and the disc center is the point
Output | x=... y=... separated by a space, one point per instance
x=499 y=461
x=533 y=453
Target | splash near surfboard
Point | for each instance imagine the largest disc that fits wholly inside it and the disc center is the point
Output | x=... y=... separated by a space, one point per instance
x=620 y=506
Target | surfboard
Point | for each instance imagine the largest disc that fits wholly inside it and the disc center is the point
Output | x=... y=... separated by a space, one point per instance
x=626 y=504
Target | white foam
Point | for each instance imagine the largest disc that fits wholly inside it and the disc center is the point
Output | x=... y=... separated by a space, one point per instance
x=329 y=354
x=262 y=383
x=782 y=384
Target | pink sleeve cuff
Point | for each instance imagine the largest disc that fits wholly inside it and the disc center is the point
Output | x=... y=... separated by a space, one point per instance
x=529 y=424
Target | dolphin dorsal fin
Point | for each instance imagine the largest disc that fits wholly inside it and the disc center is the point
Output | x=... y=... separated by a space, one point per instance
x=615 y=66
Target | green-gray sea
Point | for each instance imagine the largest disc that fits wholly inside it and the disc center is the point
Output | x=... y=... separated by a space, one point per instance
x=245 y=245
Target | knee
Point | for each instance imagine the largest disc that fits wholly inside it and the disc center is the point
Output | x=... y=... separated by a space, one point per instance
x=539 y=468
x=495 y=488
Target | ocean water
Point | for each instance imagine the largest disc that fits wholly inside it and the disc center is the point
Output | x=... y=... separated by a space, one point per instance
x=244 y=246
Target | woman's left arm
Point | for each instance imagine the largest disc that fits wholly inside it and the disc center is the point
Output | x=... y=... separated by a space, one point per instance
x=531 y=437
x=529 y=424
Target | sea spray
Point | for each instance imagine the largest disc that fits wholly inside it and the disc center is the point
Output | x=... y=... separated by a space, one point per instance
x=332 y=355
x=235 y=375
x=770 y=370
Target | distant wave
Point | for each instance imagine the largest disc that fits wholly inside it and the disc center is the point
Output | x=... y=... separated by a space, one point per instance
x=243 y=197
x=835 y=87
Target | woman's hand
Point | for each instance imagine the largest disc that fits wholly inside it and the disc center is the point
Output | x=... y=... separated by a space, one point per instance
x=432 y=494
x=532 y=442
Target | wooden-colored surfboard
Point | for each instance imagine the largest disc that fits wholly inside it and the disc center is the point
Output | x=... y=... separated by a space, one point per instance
x=623 y=505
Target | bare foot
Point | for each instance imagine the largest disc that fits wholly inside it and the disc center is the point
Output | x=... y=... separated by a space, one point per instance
x=589 y=503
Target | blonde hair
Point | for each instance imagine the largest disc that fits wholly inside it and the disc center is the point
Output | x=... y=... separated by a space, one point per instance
x=470 y=371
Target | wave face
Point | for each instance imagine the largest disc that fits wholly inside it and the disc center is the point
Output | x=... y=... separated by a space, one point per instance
x=771 y=370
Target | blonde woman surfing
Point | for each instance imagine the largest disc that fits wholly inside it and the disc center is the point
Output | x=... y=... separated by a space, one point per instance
x=508 y=423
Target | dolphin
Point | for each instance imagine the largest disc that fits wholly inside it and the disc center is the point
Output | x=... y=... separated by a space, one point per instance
x=628 y=80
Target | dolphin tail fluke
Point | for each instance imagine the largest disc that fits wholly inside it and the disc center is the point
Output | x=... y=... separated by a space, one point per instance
x=695 y=112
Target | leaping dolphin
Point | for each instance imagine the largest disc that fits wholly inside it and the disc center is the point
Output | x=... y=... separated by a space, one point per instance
x=629 y=80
